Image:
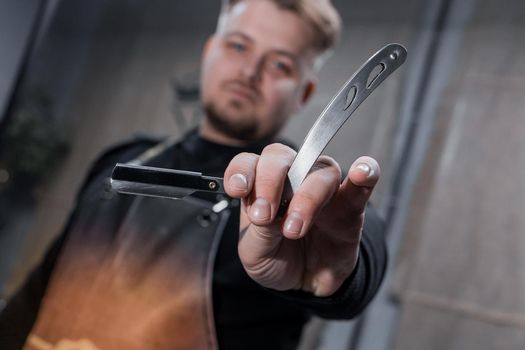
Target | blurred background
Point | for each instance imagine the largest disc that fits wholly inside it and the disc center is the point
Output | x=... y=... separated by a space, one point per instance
x=447 y=128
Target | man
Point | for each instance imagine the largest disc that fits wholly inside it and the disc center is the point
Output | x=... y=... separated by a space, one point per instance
x=142 y=273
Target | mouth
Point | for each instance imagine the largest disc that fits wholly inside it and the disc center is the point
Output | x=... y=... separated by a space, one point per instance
x=241 y=92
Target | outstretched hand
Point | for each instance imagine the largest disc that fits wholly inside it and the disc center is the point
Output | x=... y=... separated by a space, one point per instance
x=315 y=246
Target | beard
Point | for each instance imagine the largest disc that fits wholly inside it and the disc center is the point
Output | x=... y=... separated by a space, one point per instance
x=243 y=129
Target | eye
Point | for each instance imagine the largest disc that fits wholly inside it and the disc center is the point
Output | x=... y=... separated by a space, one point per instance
x=236 y=46
x=280 y=67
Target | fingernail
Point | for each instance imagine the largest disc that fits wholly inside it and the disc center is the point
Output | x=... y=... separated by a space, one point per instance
x=293 y=224
x=260 y=209
x=239 y=182
x=364 y=168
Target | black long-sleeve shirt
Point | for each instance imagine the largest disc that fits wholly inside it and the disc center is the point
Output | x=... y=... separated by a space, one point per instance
x=246 y=314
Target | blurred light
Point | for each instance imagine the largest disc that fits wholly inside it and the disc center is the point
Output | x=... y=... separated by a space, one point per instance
x=4 y=176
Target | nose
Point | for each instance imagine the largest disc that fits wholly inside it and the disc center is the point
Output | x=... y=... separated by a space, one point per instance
x=252 y=69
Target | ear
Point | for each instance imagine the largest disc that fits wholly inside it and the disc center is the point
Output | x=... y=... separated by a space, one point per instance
x=308 y=91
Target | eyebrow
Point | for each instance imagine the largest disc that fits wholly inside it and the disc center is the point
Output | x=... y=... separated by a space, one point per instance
x=237 y=33
x=288 y=54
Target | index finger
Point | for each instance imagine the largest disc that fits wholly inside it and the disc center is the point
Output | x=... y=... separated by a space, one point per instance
x=240 y=175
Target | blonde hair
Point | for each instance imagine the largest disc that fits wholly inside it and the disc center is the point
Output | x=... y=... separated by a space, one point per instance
x=319 y=14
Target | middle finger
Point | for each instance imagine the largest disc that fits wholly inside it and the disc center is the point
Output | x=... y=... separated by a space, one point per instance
x=272 y=168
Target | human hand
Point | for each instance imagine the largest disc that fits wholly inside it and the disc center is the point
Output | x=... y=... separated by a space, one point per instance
x=315 y=246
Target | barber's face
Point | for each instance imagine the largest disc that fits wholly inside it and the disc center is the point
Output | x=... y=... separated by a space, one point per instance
x=256 y=70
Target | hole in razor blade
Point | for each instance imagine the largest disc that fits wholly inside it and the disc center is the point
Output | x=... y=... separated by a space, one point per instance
x=350 y=97
x=374 y=74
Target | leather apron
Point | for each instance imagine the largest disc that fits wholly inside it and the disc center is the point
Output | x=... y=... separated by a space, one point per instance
x=135 y=273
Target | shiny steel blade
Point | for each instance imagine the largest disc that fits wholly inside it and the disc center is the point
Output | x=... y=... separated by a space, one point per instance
x=367 y=78
x=149 y=190
x=161 y=182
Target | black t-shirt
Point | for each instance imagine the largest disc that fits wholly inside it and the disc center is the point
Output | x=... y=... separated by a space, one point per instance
x=247 y=316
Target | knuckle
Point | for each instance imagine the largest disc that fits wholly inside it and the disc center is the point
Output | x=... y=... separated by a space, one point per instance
x=331 y=176
x=327 y=165
x=243 y=161
x=306 y=202
x=245 y=157
x=275 y=160
x=327 y=160
x=327 y=182
x=280 y=150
